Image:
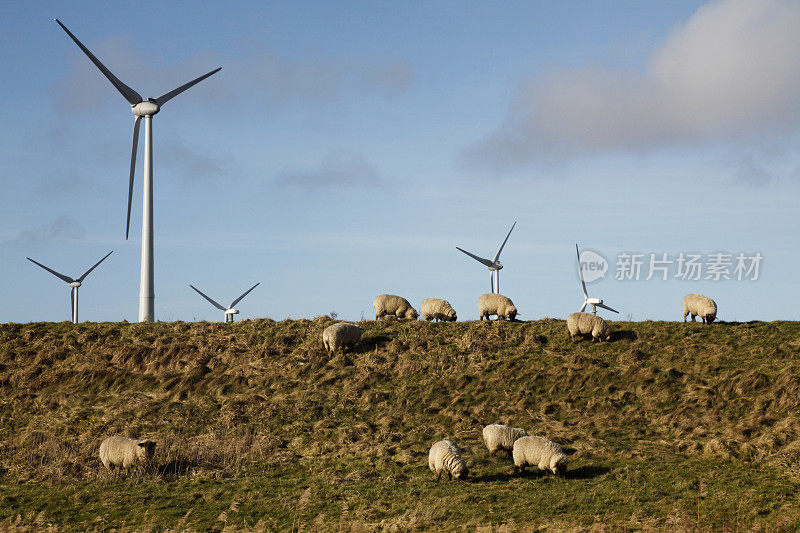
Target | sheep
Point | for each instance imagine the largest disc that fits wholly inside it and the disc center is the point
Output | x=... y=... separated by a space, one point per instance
x=539 y=452
x=499 y=437
x=340 y=335
x=125 y=452
x=496 y=304
x=445 y=456
x=389 y=304
x=434 y=308
x=699 y=305
x=587 y=323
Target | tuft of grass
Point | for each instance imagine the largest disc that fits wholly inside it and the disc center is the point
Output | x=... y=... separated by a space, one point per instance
x=671 y=426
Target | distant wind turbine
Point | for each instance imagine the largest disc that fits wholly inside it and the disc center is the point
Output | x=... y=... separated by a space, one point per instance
x=229 y=311
x=146 y=109
x=73 y=283
x=594 y=302
x=493 y=265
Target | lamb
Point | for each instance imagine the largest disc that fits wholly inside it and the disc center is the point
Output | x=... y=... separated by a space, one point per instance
x=434 y=308
x=445 y=456
x=125 y=452
x=389 y=304
x=539 y=452
x=496 y=304
x=587 y=323
x=340 y=335
x=699 y=305
x=499 y=437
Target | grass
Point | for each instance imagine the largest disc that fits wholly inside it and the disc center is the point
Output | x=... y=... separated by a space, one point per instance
x=671 y=426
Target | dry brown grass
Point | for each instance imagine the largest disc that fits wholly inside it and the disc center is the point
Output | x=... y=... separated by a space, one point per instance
x=343 y=440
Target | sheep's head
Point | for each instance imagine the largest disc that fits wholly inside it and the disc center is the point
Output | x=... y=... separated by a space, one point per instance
x=560 y=468
x=710 y=319
x=146 y=449
x=452 y=317
x=412 y=313
x=460 y=471
x=511 y=313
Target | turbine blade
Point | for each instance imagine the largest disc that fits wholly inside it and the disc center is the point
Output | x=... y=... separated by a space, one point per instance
x=166 y=97
x=580 y=272
x=215 y=304
x=476 y=258
x=496 y=257
x=583 y=307
x=239 y=299
x=604 y=306
x=95 y=266
x=53 y=272
x=130 y=95
x=136 y=124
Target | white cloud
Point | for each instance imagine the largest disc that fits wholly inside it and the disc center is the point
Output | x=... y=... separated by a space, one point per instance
x=730 y=72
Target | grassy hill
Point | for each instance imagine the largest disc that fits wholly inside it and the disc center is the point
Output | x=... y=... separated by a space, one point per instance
x=671 y=426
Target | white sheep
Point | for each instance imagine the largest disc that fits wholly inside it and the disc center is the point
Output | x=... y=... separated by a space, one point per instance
x=390 y=304
x=125 y=452
x=340 y=335
x=445 y=456
x=434 y=308
x=496 y=304
x=586 y=324
x=699 y=305
x=541 y=453
x=499 y=437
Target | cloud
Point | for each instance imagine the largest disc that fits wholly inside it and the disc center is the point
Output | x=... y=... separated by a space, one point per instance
x=336 y=171
x=61 y=229
x=259 y=76
x=730 y=72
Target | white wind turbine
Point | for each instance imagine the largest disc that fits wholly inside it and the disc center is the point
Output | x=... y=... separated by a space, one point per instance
x=141 y=108
x=493 y=265
x=229 y=311
x=73 y=283
x=594 y=302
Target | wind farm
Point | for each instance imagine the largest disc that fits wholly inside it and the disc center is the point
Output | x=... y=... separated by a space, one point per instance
x=372 y=382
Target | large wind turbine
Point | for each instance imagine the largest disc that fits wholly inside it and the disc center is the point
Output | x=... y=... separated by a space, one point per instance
x=73 y=283
x=493 y=265
x=141 y=108
x=229 y=311
x=594 y=302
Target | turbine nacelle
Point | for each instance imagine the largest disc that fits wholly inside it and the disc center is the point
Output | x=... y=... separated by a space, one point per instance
x=75 y=284
x=594 y=301
x=147 y=108
x=231 y=311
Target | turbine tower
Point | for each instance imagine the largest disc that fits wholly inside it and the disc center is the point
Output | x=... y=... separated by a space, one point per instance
x=147 y=109
x=493 y=265
x=229 y=311
x=594 y=302
x=73 y=283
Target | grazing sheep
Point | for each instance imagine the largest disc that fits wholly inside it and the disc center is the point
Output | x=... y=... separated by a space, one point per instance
x=699 y=305
x=445 y=456
x=496 y=304
x=125 y=452
x=340 y=335
x=499 y=437
x=541 y=453
x=434 y=308
x=389 y=304
x=587 y=323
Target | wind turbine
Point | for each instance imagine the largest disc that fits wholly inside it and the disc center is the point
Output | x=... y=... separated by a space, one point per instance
x=229 y=311
x=594 y=302
x=493 y=265
x=141 y=108
x=73 y=283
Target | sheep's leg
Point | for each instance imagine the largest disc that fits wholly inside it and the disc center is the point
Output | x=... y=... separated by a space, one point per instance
x=693 y=320
x=438 y=475
x=449 y=475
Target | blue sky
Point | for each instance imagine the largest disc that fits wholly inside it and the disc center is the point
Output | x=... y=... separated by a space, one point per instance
x=346 y=148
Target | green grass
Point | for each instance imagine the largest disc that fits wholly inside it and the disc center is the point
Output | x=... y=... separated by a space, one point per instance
x=671 y=426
